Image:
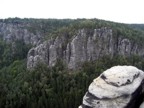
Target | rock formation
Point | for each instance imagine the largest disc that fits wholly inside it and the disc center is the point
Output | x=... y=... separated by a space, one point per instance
x=85 y=45
x=11 y=32
x=117 y=87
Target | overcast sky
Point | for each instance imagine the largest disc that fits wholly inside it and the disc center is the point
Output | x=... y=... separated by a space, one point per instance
x=125 y=11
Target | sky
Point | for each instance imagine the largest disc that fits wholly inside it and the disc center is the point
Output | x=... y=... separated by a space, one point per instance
x=123 y=11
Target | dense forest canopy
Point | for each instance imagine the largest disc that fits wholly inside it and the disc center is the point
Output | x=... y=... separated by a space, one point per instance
x=55 y=87
x=137 y=26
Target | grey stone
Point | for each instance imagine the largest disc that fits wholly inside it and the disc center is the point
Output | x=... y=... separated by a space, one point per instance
x=11 y=32
x=87 y=45
x=117 y=87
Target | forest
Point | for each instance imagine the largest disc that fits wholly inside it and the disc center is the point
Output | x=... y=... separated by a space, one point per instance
x=56 y=87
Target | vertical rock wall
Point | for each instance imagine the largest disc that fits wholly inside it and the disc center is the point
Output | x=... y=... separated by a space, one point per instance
x=86 y=45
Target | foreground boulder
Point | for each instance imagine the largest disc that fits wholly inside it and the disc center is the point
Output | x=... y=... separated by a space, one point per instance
x=117 y=87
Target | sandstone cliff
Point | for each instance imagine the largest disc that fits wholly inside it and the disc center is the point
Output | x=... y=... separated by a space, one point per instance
x=85 y=45
x=10 y=32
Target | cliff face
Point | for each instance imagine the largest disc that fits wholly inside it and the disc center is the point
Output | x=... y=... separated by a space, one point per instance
x=11 y=32
x=85 y=45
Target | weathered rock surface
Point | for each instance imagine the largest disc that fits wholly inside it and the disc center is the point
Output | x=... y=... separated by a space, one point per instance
x=117 y=87
x=85 y=45
x=11 y=32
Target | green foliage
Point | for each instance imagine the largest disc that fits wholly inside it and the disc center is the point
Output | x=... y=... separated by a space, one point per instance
x=54 y=87
x=137 y=26
x=14 y=51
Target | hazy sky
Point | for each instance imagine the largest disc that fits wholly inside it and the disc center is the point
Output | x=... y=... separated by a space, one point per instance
x=126 y=11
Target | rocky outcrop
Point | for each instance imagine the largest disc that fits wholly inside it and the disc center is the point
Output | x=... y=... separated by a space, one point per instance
x=85 y=45
x=117 y=87
x=11 y=32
